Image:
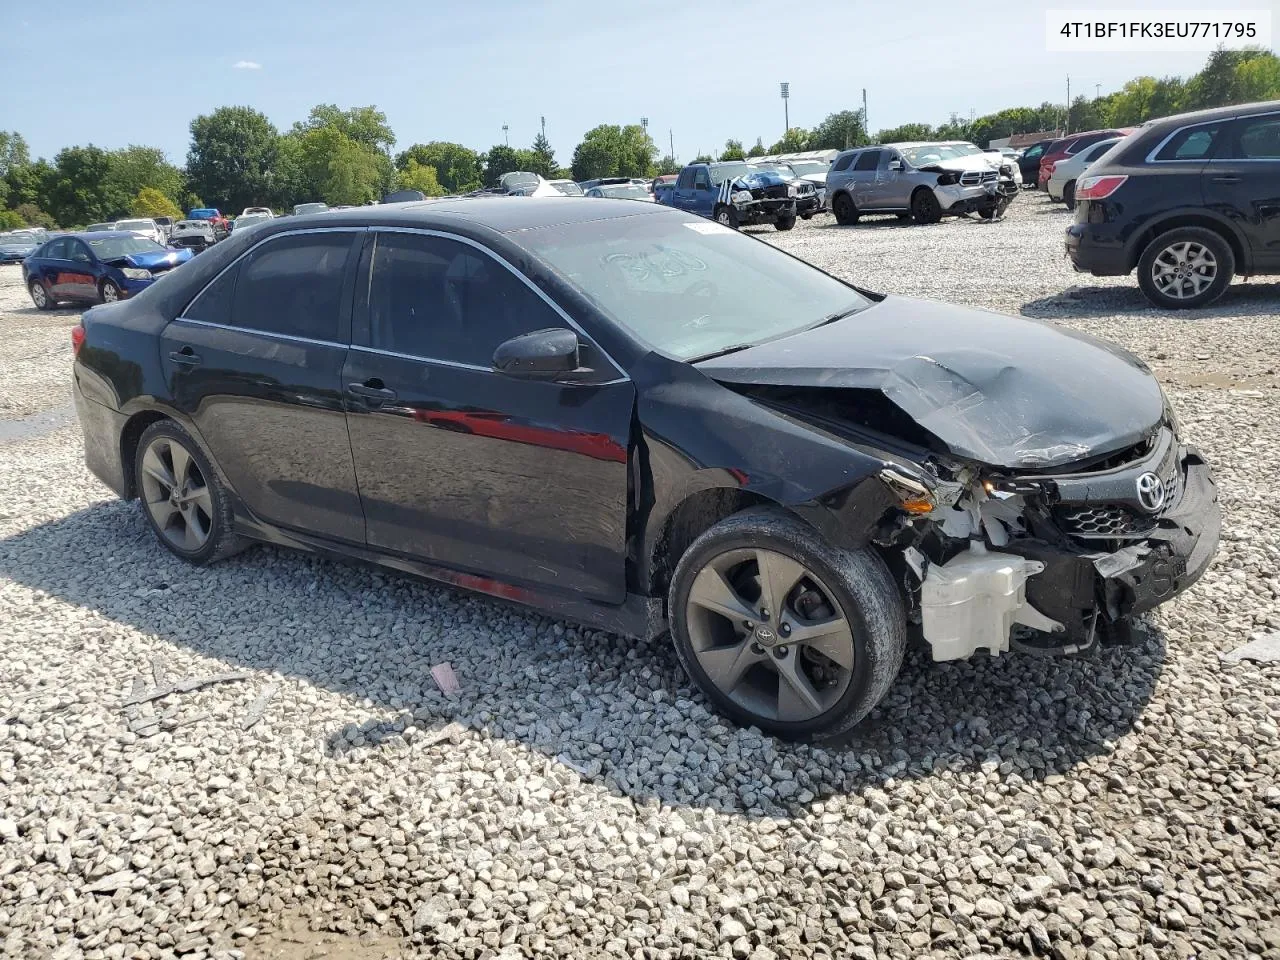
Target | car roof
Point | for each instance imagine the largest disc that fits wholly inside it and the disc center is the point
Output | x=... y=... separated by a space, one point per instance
x=99 y=234
x=499 y=213
x=1215 y=113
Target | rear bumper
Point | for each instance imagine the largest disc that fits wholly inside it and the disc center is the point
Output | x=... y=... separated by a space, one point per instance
x=102 y=428
x=1093 y=250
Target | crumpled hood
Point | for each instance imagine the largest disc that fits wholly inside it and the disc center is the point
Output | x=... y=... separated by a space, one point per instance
x=150 y=261
x=1002 y=390
x=980 y=162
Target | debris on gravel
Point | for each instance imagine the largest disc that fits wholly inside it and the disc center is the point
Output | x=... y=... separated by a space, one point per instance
x=574 y=796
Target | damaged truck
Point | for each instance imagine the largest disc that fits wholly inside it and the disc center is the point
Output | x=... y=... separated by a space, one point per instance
x=642 y=420
x=736 y=194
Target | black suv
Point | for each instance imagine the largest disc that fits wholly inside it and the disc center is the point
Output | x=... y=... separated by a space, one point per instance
x=1189 y=201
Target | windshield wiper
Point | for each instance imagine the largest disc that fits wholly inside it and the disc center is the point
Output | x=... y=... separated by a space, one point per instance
x=723 y=352
x=838 y=315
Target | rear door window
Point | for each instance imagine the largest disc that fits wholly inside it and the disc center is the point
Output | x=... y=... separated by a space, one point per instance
x=867 y=160
x=1191 y=143
x=842 y=162
x=685 y=181
x=293 y=286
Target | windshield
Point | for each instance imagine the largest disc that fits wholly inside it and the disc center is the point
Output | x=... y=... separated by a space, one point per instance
x=304 y=208
x=690 y=288
x=202 y=214
x=108 y=248
x=966 y=149
x=728 y=171
x=135 y=225
x=568 y=188
x=932 y=153
x=96 y=227
x=781 y=170
x=806 y=169
x=624 y=191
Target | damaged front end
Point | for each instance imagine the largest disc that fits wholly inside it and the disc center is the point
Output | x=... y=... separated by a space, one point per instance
x=986 y=192
x=766 y=197
x=1055 y=562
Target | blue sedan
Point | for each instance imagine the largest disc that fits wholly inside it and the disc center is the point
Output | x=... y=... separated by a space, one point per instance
x=97 y=267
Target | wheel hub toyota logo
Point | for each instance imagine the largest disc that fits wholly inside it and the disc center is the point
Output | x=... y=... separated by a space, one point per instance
x=1150 y=492
x=765 y=636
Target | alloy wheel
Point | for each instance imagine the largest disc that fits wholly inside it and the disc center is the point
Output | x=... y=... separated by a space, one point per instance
x=110 y=293
x=176 y=495
x=770 y=634
x=723 y=218
x=39 y=296
x=1184 y=269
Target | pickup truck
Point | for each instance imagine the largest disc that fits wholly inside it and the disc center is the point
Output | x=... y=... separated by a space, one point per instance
x=732 y=194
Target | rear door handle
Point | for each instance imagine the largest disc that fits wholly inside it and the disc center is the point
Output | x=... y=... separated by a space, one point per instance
x=186 y=357
x=372 y=391
x=1226 y=179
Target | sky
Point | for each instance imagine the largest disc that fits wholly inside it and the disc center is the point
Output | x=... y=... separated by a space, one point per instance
x=459 y=71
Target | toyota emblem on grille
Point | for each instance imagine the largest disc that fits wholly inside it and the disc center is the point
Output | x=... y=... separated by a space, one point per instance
x=1150 y=492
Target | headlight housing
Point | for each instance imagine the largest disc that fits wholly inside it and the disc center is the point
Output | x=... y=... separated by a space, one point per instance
x=136 y=273
x=741 y=196
x=791 y=190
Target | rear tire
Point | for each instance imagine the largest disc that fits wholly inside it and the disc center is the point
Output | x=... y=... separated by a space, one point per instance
x=726 y=216
x=813 y=686
x=925 y=207
x=1185 y=268
x=1069 y=194
x=40 y=296
x=185 y=503
x=784 y=223
x=845 y=212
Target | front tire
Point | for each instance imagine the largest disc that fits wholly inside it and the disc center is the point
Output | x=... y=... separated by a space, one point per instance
x=186 y=505
x=1186 y=267
x=845 y=212
x=784 y=223
x=726 y=216
x=110 y=292
x=782 y=631
x=40 y=296
x=925 y=207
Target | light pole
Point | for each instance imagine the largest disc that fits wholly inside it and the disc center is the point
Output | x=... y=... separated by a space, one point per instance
x=786 y=109
x=544 y=127
x=504 y=135
x=644 y=122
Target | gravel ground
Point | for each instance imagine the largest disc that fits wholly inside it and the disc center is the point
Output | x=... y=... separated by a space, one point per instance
x=577 y=798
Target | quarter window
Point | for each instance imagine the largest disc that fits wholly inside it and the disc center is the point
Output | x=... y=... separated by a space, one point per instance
x=842 y=162
x=293 y=286
x=868 y=160
x=439 y=299
x=1259 y=139
x=1191 y=143
x=214 y=303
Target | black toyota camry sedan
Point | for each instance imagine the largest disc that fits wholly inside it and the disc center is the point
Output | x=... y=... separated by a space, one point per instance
x=624 y=415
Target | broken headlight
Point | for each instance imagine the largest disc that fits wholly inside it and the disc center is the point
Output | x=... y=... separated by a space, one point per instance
x=741 y=196
x=948 y=179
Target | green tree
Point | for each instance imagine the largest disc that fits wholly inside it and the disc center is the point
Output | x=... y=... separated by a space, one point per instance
x=795 y=140
x=704 y=158
x=233 y=157
x=77 y=191
x=11 y=220
x=905 y=133
x=544 y=158
x=151 y=202
x=34 y=216
x=28 y=183
x=419 y=176
x=613 y=151
x=668 y=165
x=758 y=149
x=839 y=131
x=336 y=169
x=364 y=125
x=1258 y=79
x=733 y=150
x=504 y=159
x=134 y=168
x=459 y=169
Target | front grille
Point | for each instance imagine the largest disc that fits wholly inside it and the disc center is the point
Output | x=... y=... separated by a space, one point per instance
x=778 y=192
x=1102 y=520
x=975 y=178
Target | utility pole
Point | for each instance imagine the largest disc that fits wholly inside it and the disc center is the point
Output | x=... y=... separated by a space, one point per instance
x=504 y=135
x=865 y=126
x=1097 y=91
x=671 y=139
x=544 y=127
x=644 y=123
x=786 y=109
x=1066 y=123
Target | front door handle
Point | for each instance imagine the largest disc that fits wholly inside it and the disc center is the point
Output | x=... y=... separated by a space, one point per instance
x=186 y=357
x=371 y=391
x=1226 y=179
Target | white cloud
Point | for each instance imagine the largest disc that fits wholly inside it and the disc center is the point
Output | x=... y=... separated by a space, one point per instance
x=246 y=65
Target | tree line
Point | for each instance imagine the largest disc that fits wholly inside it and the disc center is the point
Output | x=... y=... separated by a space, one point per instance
x=238 y=158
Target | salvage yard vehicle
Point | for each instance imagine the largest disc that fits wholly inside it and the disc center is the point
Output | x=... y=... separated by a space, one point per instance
x=566 y=187
x=143 y=227
x=920 y=181
x=302 y=209
x=17 y=246
x=215 y=219
x=733 y=194
x=193 y=235
x=1069 y=146
x=627 y=415
x=1188 y=201
x=96 y=268
x=810 y=196
x=1062 y=180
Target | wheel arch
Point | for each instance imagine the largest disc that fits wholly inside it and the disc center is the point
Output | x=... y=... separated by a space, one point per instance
x=131 y=433
x=1202 y=219
x=685 y=522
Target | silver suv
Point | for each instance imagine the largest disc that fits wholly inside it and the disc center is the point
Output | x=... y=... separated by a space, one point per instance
x=923 y=181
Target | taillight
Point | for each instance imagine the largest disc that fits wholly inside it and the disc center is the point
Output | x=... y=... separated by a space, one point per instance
x=77 y=339
x=1099 y=188
x=1049 y=165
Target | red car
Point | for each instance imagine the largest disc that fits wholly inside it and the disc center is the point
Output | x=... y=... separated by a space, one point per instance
x=1067 y=146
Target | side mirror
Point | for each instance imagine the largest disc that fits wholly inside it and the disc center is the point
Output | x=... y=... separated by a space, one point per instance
x=541 y=355
x=895 y=165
